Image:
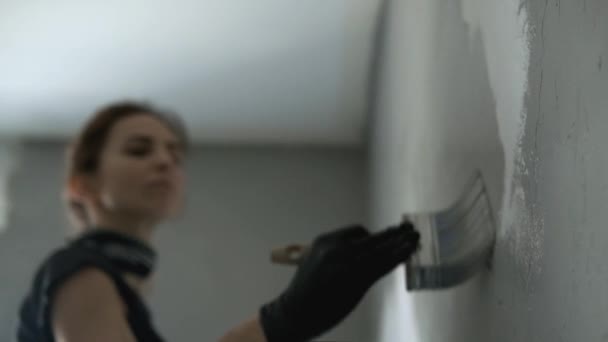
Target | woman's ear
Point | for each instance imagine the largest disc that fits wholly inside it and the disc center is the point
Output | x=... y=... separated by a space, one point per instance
x=75 y=197
x=80 y=188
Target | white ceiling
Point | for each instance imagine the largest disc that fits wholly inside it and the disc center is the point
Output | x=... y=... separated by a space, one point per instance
x=240 y=71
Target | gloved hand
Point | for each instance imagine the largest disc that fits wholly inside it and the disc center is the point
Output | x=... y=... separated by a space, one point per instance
x=333 y=278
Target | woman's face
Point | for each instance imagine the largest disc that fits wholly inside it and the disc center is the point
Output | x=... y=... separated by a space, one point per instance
x=140 y=171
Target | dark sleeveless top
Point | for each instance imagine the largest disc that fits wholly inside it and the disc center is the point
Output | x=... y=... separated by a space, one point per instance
x=110 y=252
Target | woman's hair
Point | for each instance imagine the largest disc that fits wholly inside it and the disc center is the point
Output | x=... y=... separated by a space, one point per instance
x=83 y=154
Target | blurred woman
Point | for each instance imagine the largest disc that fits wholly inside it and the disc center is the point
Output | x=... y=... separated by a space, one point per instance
x=124 y=178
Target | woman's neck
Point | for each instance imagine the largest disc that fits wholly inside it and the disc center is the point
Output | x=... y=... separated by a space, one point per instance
x=135 y=228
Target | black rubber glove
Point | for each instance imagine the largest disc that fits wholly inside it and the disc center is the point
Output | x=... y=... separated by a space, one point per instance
x=333 y=278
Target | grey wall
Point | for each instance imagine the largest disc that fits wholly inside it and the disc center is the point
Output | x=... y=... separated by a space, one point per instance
x=214 y=267
x=520 y=91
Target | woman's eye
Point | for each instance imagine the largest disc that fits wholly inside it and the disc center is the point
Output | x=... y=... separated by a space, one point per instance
x=138 y=152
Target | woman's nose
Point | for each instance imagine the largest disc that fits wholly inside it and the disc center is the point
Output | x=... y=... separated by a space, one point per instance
x=163 y=159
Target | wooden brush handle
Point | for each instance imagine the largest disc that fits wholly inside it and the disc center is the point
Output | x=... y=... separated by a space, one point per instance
x=288 y=255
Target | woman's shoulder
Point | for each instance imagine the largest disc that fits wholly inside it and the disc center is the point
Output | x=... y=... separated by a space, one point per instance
x=89 y=302
x=69 y=267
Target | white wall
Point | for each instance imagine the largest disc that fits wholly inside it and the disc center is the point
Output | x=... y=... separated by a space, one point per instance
x=214 y=262
x=519 y=91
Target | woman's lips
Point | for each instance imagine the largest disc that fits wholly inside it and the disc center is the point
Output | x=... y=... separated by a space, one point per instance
x=160 y=185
